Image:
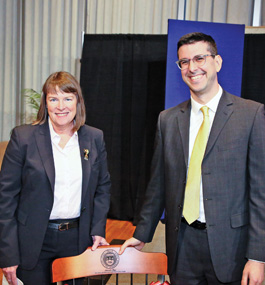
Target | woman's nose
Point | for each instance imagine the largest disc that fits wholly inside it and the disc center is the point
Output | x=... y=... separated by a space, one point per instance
x=61 y=104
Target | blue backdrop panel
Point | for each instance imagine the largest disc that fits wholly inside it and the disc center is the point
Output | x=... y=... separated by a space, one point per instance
x=230 y=45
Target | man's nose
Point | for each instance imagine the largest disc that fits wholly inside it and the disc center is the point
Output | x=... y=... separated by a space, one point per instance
x=192 y=66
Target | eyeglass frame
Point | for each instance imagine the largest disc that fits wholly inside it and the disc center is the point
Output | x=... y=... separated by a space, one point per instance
x=198 y=55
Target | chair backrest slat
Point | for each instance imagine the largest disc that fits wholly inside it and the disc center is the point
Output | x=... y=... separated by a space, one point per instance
x=106 y=260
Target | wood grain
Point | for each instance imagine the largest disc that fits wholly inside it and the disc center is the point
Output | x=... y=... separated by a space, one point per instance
x=116 y=229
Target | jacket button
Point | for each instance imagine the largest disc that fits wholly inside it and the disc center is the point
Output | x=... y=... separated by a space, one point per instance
x=180 y=206
x=83 y=209
x=176 y=229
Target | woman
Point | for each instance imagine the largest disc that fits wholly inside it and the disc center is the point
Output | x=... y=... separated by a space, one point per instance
x=54 y=186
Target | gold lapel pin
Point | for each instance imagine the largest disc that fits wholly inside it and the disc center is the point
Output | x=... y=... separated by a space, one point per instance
x=86 y=153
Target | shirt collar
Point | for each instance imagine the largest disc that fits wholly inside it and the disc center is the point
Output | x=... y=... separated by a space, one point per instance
x=53 y=134
x=212 y=104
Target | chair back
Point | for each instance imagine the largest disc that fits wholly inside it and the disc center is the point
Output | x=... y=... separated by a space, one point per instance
x=106 y=260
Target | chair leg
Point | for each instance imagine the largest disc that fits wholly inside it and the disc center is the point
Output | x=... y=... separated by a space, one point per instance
x=161 y=278
x=117 y=279
x=131 y=279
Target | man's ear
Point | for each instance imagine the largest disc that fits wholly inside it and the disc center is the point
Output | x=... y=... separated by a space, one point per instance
x=218 y=62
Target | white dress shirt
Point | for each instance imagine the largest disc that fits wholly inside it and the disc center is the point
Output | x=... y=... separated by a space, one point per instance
x=196 y=119
x=68 y=177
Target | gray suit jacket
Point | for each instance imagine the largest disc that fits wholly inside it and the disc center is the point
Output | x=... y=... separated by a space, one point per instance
x=233 y=175
x=26 y=192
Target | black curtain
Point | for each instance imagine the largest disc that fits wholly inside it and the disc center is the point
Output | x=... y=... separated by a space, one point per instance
x=123 y=83
x=253 y=79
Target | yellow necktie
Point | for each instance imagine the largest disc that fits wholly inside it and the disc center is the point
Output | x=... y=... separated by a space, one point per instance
x=192 y=191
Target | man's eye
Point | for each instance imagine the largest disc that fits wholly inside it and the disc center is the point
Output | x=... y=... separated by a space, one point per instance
x=184 y=62
x=199 y=58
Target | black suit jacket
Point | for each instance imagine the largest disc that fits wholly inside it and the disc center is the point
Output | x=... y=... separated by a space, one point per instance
x=233 y=175
x=26 y=192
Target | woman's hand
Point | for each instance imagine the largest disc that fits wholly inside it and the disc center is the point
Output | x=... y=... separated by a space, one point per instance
x=98 y=241
x=10 y=274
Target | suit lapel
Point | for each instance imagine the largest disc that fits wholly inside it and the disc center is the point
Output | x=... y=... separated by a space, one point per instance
x=43 y=140
x=224 y=111
x=184 y=124
x=84 y=144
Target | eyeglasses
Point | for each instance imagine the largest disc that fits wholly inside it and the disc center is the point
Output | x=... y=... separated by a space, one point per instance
x=198 y=60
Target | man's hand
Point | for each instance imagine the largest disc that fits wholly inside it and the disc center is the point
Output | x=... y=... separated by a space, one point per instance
x=98 y=241
x=253 y=273
x=10 y=274
x=132 y=242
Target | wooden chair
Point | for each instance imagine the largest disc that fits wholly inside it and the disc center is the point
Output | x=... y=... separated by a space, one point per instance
x=105 y=260
x=3 y=146
x=1 y=276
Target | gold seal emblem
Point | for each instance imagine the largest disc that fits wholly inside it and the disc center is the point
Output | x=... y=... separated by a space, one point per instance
x=109 y=258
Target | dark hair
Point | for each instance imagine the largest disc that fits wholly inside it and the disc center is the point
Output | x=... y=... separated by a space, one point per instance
x=68 y=84
x=198 y=37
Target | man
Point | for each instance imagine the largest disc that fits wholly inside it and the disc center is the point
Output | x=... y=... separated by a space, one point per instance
x=227 y=235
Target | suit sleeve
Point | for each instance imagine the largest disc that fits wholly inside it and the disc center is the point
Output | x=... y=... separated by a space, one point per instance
x=154 y=204
x=102 y=194
x=10 y=186
x=256 y=179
